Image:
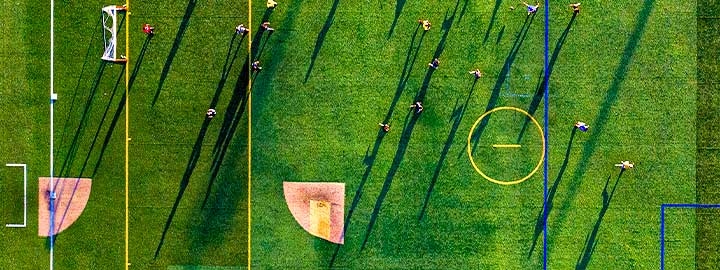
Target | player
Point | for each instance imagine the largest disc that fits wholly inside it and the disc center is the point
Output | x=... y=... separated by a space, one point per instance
x=575 y=7
x=385 y=127
x=531 y=9
x=425 y=24
x=148 y=29
x=476 y=73
x=256 y=66
x=241 y=30
x=624 y=165
x=271 y=4
x=435 y=63
x=582 y=126
x=210 y=113
x=266 y=26
x=417 y=106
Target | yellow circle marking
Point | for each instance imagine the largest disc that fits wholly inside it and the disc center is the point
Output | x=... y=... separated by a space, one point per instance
x=542 y=153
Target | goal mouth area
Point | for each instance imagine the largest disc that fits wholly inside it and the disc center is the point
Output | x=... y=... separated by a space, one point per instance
x=110 y=30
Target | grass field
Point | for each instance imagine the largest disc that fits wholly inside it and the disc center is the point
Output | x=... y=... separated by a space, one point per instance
x=640 y=73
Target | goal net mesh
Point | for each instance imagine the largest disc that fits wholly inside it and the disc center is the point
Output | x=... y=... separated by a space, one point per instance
x=110 y=30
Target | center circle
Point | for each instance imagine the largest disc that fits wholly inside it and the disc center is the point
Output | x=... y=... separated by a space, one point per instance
x=516 y=181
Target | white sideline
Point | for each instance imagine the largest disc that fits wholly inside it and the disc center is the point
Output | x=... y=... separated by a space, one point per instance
x=53 y=98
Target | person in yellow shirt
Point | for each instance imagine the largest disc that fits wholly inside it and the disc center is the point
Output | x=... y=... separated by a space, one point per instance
x=624 y=165
x=271 y=4
x=425 y=24
x=575 y=7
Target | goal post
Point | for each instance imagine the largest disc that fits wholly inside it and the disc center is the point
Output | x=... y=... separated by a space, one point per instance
x=110 y=30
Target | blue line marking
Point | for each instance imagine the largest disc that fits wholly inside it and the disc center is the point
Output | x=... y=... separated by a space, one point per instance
x=662 y=237
x=52 y=219
x=662 y=223
x=545 y=122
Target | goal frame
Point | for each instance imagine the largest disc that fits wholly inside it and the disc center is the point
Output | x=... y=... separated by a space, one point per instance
x=110 y=30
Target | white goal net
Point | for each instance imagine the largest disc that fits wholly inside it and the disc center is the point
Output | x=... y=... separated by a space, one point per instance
x=110 y=30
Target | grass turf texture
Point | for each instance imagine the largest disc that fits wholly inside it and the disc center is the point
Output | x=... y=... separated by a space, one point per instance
x=708 y=237
x=165 y=154
x=625 y=68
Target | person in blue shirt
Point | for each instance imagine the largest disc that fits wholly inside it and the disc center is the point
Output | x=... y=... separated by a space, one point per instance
x=582 y=126
x=531 y=9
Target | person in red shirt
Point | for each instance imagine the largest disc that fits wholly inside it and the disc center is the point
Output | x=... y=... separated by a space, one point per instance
x=385 y=127
x=148 y=29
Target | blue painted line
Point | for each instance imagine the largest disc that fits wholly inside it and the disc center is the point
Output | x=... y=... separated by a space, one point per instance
x=689 y=205
x=662 y=237
x=662 y=223
x=52 y=220
x=546 y=122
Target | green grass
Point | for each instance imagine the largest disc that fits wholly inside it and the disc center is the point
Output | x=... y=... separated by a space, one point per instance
x=90 y=127
x=627 y=68
x=707 y=155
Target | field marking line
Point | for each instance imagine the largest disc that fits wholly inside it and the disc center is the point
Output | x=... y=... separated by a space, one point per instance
x=546 y=122
x=662 y=223
x=249 y=168
x=506 y=146
x=24 y=224
x=127 y=134
x=52 y=131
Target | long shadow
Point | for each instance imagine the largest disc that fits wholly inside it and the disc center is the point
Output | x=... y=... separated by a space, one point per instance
x=74 y=144
x=87 y=156
x=262 y=49
x=67 y=206
x=233 y=115
x=456 y=118
x=500 y=35
x=492 y=20
x=234 y=112
x=591 y=239
x=408 y=129
x=240 y=83
x=547 y=207
x=604 y=113
x=227 y=66
x=446 y=26
x=321 y=37
x=79 y=80
x=398 y=9
x=121 y=105
x=370 y=156
x=99 y=127
x=501 y=79
x=192 y=162
x=175 y=47
x=399 y=156
x=410 y=59
x=218 y=219
x=255 y=46
x=464 y=9
x=540 y=90
x=217 y=211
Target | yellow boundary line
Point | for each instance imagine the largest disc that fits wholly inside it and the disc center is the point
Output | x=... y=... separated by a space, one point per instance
x=506 y=146
x=469 y=146
x=127 y=134
x=249 y=168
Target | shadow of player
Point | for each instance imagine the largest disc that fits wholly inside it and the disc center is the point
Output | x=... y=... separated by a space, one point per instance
x=591 y=239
